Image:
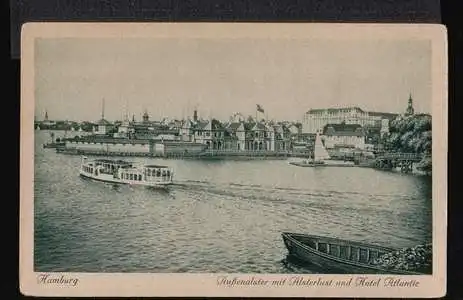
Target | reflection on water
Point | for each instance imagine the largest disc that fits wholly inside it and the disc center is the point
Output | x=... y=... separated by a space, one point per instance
x=220 y=216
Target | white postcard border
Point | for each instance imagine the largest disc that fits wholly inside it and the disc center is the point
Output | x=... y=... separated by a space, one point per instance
x=149 y=284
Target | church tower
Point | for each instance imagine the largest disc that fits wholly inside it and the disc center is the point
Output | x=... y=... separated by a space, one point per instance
x=410 y=110
x=195 y=115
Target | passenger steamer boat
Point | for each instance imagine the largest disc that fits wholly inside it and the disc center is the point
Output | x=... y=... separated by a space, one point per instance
x=122 y=172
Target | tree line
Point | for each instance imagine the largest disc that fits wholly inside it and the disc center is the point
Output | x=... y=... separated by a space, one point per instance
x=410 y=134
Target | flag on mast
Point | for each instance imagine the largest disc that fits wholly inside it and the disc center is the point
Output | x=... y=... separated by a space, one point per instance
x=259 y=108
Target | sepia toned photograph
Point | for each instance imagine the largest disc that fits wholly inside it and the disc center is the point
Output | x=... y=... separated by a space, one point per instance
x=289 y=151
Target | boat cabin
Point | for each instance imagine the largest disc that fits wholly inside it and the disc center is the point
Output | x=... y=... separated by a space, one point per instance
x=151 y=173
x=105 y=166
x=125 y=172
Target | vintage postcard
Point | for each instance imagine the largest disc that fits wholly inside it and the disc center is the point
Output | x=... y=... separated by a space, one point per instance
x=240 y=160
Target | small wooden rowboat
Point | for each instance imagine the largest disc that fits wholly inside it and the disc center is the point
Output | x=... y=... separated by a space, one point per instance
x=346 y=257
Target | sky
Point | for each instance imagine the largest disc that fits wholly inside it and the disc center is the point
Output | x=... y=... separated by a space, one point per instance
x=220 y=77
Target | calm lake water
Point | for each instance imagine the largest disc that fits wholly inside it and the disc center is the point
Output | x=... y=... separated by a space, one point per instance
x=221 y=216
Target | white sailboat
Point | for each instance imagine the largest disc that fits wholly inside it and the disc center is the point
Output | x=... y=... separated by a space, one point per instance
x=320 y=153
x=319 y=156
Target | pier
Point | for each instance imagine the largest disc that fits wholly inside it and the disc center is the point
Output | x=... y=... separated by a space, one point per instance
x=208 y=154
x=391 y=160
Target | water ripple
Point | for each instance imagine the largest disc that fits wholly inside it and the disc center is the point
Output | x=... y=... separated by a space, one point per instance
x=219 y=216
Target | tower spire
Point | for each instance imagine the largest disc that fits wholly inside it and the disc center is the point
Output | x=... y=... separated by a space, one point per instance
x=126 y=117
x=410 y=110
x=102 y=109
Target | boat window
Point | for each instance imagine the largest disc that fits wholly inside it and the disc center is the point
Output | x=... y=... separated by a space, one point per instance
x=139 y=177
x=150 y=172
x=354 y=253
x=363 y=255
x=158 y=172
x=131 y=176
x=168 y=173
x=373 y=255
x=344 y=252
x=334 y=250
x=163 y=173
x=322 y=247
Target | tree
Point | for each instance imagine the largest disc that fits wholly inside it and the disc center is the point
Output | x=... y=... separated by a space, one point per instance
x=410 y=134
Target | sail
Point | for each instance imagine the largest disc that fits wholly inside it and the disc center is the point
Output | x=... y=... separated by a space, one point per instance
x=320 y=152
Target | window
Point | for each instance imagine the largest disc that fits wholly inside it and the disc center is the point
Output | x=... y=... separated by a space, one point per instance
x=363 y=255
x=322 y=247
x=344 y=252
x=139 y=177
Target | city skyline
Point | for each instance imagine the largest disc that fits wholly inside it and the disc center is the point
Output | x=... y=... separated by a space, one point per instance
x=170 y=77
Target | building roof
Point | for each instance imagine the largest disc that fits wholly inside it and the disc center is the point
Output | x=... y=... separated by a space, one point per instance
x=251 y=125
x=216 y=125
x=334 y=110
x=201 y=124
x=156 y=166
x=278 y=127
x=233 y=126
x=103 y=122
x=343 y=130
x=383 y=115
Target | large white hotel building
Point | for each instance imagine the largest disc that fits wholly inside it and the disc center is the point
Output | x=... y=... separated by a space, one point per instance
x=315 y=119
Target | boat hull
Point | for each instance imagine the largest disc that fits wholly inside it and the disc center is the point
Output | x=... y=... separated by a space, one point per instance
x=110 y=179
x=333 y=264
